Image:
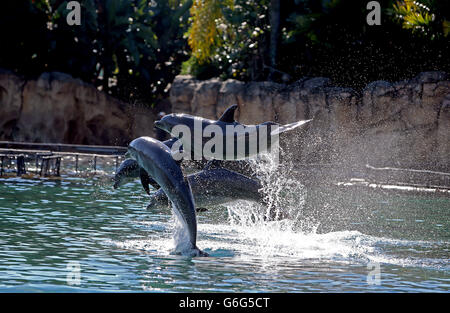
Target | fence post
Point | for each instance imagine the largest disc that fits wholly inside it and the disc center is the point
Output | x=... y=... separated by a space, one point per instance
x=1 y=166
x=20 y=159
x=36 y=163
x=44 y=166
x=58 y=165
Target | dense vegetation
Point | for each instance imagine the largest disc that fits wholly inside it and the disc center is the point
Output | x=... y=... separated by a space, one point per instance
x=322 y=38
x=134 y=48
x=130 y=48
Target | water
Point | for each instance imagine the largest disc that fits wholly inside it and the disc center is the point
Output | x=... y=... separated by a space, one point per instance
x=334 y=240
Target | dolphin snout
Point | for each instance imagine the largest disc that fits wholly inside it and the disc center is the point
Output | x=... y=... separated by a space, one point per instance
x=158 y=124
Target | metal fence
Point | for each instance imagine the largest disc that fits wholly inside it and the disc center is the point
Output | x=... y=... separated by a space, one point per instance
x=47 y=159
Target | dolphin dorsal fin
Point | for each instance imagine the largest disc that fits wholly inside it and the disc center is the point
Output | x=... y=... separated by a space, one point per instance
x=228 y=115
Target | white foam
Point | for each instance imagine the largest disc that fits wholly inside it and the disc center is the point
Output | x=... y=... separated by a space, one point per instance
x=248 y=235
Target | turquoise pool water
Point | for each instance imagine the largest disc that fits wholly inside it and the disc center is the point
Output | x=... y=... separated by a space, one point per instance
x=81 y=235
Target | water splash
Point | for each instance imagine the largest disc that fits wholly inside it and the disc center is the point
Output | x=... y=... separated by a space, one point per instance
x=279 y=227
x=181 y=243
x=283 y=196
x=279 y=231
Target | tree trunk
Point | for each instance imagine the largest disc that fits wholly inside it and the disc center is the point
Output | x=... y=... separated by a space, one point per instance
x=274 y=34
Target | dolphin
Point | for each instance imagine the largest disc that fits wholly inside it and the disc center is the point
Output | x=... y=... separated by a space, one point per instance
x=127 y=170
x=215 y=187
x=130 y=169
x=156 y=159
x=246 y=140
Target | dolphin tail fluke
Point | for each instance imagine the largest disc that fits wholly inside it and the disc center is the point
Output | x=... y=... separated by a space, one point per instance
x=197 y=252
x=287 y=127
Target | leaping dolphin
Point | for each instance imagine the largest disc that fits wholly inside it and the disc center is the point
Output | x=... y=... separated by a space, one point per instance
x=215 y=187
x=254 y=139
x=129 y=169
x=156 y=158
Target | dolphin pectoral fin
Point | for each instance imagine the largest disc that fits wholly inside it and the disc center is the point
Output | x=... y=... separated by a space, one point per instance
x=201 y=209
x=145 y=180
x=228 y=115
x=287 y=127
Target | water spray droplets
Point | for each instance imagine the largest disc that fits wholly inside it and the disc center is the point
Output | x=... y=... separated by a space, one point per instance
x=283 y=197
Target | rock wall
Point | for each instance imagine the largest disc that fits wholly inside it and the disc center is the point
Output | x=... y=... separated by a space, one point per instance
x=57 y=108
x=401 y=124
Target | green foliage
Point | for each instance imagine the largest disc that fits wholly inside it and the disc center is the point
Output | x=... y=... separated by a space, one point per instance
x=245 y=50
x=414 y=15
x=421 y=17
x=332 y=39
x=231 y=43
x=204 y=32
x=328 y=38
x=130 y=48
x=134 y=48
